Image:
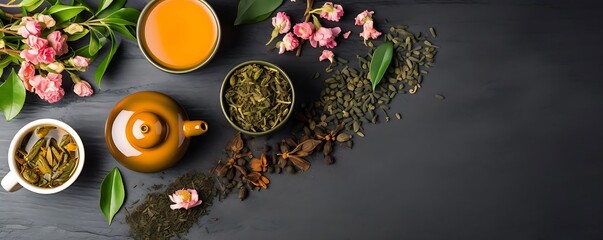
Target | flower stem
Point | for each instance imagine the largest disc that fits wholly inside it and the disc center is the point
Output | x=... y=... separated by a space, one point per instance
x=307 y=14
x=8 y=5
x=8 y=50
x=8 y=31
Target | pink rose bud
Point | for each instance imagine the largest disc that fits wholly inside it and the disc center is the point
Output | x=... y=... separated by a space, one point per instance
x=29 y=26
x=46 y=55
x=58 y=42
x=83 y=89
x=369 y=32
x=303 y=30
x=289 y=43
x=36 y=42
x=185 y=198
x=26 y=73
x=281 y=22
x=48 y=21
x=79 y=61
x=363 y=17
x=327 y=54
x=331 y=12
x=30 y=55
x=325 y=37
x=56 y=67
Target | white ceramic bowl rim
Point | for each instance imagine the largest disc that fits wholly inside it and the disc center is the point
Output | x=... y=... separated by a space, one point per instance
x=17 y=141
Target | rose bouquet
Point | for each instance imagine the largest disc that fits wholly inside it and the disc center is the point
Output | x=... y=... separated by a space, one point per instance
x=40 y=40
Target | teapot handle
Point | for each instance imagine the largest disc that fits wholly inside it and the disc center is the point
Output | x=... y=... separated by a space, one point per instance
x=194 y=128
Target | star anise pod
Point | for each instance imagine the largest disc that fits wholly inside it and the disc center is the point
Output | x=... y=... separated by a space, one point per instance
x=236 y=143
x=257 y=179
x=330 y=135
x=296 y=155
x=259 y=164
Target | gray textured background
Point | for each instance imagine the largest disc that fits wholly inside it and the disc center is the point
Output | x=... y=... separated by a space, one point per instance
x=512 y=153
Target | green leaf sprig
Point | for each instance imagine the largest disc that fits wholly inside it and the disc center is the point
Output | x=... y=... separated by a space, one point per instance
x=112 y=194
x=252 y=11
x=380 y=62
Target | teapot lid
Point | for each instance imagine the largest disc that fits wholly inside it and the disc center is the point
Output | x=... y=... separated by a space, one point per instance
x=145 y=131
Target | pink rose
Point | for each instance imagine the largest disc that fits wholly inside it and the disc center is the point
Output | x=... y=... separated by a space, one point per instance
x=185 y=198
x=331 y=12
x=36 y=42
x=29 y=26
x=303 y=30
x=369 y=31
x=325 y=37
x=83 y=89
x=58 y=42
x=326 y=54
x=79 y=61
x=289 y=43
x=48 y=88
x=26 y=73
x=281 y=22
x=46 y=55
x=30 y=55
x=363 y=17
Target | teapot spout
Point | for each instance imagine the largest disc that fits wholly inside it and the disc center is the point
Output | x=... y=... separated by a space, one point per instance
x=194 y=128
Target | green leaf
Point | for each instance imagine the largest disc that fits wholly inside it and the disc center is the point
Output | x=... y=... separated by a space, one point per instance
x=4 y=63
x=95 y=44
x=128 y=32
x=127 y=14
x=380 y=62
x=112 y=194
x=12 y=96
x=62 y=13
x=114 y=6
x=316 y=22
x=252 y=11
x=26 y=3
x=103 y=5
x=102 y=67
x=79 y=35
x=85 y=52
x=119 y=21
x=33 y=6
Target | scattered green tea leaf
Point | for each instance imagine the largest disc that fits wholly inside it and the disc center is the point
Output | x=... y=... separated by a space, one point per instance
x=440 y=97
x=252 y=11
x=13 y=96
x=112 y=194
x=380 y=62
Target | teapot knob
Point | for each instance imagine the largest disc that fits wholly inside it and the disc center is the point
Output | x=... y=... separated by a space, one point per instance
x=146 y=130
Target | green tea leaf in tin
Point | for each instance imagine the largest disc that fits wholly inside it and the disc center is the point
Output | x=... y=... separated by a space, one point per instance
x=380 y=62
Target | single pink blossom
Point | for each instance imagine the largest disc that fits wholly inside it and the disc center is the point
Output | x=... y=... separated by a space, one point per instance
x=79 y=61
x=30 y=55
x=47 y=20
x=346 y=35
x=327 y=54
x=331 y=12
x=369 y=31
x=46 y=55
x=364 y=17
x=48 y=88
x=58 y=42
x=185 y=198
x=36 y=42
x=26 y=73
x=83 y=88
x=29 y=26
x=303 y=30
x=325 y=37
x=281 y=22
x=289 y=43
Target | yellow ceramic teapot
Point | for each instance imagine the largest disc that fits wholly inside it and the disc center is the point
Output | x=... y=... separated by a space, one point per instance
x=149 y=131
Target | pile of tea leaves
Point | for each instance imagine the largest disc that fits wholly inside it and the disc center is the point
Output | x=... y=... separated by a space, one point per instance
x=154 y=219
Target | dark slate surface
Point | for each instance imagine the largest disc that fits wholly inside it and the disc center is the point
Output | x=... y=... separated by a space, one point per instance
x=512 y=153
